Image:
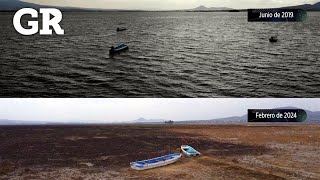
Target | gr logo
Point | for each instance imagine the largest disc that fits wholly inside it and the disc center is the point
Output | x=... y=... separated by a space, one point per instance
x=47 y=21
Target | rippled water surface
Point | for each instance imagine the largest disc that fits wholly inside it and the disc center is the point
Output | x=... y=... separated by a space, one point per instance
x=172 y=54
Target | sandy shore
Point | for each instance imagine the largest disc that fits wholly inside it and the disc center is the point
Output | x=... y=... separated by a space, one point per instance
x=104 y=152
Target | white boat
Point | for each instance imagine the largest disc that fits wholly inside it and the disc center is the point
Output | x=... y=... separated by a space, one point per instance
x=155 y=162
x=189 y=151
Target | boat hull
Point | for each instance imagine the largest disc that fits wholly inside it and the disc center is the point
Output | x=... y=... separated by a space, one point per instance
x=118 y=50
x=192 y=153
x=121 y=29
x=139 y=167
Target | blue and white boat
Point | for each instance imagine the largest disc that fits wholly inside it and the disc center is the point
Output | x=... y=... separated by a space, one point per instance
x=155 y=162
x=189 y=151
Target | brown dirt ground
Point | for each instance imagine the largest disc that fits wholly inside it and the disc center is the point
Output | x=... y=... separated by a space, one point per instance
x=104 y=152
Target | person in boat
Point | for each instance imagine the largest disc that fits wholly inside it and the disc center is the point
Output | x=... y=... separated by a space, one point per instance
x=112 y=49
x=118 y=29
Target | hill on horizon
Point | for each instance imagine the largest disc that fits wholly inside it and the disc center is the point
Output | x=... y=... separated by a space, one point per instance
x=12 y=5
x=313 y=117
x=308 y=7
x=8 y=5
x=204 y=8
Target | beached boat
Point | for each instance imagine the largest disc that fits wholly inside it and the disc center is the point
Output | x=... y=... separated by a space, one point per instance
x=118 y=48
x=189 y=151
x=155 y=162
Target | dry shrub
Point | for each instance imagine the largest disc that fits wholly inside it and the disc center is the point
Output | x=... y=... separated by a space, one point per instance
x=78 y=178
x=6 y=167
x=234 y=160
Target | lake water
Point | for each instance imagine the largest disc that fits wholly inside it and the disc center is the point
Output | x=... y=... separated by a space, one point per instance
x=172 y=54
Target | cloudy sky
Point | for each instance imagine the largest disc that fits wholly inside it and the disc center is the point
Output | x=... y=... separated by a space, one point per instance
x=118 y=110
x=172 y=4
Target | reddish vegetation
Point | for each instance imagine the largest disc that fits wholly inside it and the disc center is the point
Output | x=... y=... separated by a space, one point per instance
x=6 y=167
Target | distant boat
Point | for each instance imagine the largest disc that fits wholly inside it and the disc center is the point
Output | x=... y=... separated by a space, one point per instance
x=189 y=151
x=155 y=162
x=273 y=39
x=118 y=48
x=121 y=29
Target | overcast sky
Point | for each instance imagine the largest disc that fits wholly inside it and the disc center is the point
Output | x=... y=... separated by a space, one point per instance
x=117 y=110
x=172 y=4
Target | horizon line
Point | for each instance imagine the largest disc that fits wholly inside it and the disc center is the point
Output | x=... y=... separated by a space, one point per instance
x=75 y=8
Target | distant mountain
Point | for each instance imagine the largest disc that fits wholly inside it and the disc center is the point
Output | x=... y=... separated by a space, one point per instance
x=227 y=120
x=5 y=122
x=147 y=121
x=313 y=117
x=308 y=7
x=204 y=8
x=13 y=5
x=8 y=5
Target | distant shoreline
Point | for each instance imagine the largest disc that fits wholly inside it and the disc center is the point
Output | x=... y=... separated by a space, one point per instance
x=79 y=10
x=207 y=11
x=162 y=124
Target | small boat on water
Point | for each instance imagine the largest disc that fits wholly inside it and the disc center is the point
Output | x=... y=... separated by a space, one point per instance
x=155 y=162
x=118 y=48
x=273 y=39
x=189 y=151
x=121 y=29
